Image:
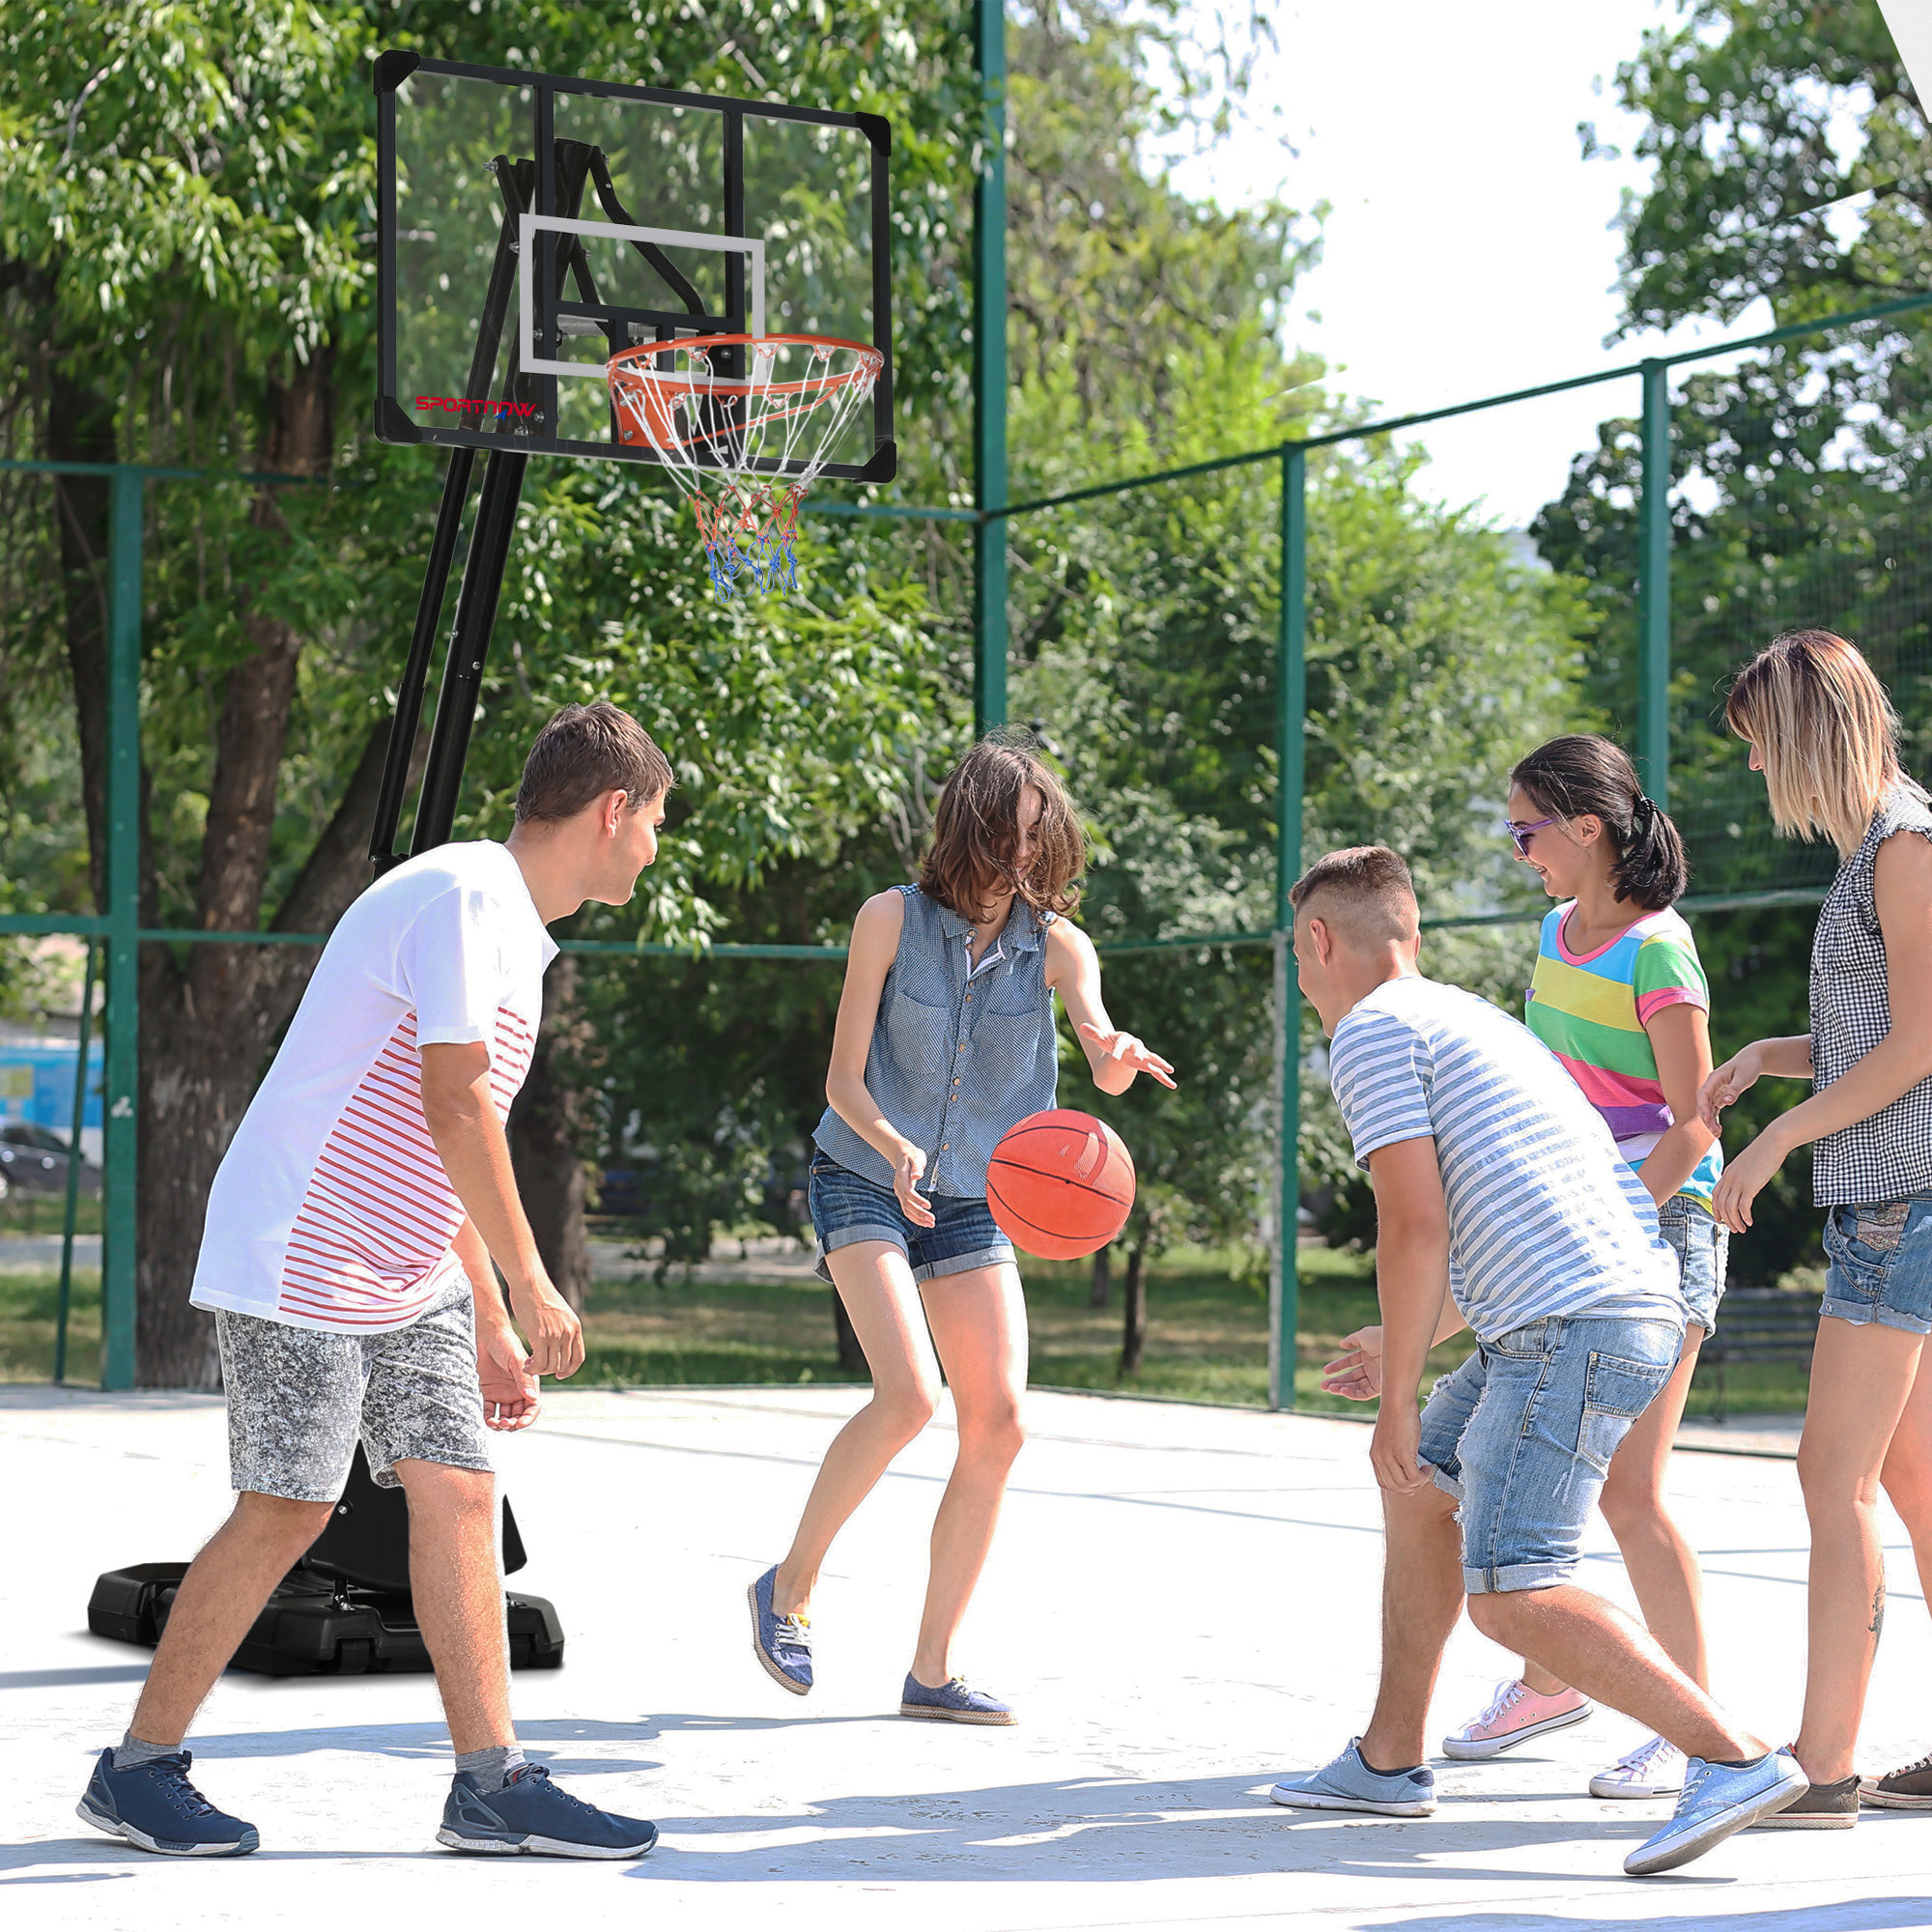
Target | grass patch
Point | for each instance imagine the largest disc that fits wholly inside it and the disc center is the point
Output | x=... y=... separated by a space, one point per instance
x=29 y=1301
x=1207 y=1333
x=29 y=1211
x=1207 y=1330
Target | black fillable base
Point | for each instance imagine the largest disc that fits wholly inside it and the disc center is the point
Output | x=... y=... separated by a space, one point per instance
x=314 y=1626
x=344 y=1609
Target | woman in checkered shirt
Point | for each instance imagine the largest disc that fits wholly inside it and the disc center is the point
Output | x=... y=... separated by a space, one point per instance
x=1824 y=733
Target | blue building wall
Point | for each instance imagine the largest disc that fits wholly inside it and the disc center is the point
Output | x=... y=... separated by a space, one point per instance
x=36 y=1083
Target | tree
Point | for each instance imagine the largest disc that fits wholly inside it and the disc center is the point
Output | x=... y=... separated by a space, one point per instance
x=183 y=197
x=1801 y=496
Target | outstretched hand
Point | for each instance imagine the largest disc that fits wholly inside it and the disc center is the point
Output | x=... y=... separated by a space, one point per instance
x=1358 y=1374
x=1130 y=1051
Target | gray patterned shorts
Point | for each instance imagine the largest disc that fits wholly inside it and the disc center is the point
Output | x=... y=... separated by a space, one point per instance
x=297 y=1398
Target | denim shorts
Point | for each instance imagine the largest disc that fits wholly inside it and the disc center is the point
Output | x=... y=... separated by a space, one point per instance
x=1523 y=1433
x=1880 y=1264
x=1701 y=1243
x=847 y=1207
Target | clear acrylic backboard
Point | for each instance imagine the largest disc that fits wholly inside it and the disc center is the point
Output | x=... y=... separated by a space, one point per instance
x=531 y=226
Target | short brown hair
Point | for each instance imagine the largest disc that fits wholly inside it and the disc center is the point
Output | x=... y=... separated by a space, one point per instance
x=584 y=752
x=975 y=832
x=1824 y=733
x=1374 y=893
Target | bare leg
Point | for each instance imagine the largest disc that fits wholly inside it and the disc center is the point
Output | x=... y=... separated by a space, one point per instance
x=1907 y=1474
x=1422 y=1597
x=221 y=1595
x=1861 y=1375
x=1606 y=1656
x=458 y=1588
x=876 y=1286
x=979 y=1325
x=1663 y=1566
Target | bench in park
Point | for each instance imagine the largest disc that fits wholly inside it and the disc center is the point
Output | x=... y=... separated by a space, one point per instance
x=1758 y=1325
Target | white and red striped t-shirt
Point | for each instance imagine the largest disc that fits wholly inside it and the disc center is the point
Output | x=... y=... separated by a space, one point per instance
x=332 y=1208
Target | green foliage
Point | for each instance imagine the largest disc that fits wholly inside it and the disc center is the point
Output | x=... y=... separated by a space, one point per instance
x=1747 y=106
x=1800 y=490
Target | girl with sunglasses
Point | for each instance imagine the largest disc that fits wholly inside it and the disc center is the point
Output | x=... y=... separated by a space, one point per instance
x=1620 y=997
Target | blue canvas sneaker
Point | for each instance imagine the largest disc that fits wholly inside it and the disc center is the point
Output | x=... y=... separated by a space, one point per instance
x=779 y=1643
x=1716 y=1800
x=953 y=1701
x=1348 y=1784
x=155 y=1806
x=531 y=1815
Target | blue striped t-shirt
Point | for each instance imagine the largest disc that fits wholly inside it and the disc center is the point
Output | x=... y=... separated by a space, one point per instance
x=1544 y=1216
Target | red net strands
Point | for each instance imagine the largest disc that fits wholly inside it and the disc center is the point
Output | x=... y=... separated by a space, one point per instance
x=743 y=423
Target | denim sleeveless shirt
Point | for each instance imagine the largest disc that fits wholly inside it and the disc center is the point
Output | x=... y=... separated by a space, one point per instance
x=954 y=1061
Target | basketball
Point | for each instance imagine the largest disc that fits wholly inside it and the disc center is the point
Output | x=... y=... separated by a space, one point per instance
x=1061 y=1184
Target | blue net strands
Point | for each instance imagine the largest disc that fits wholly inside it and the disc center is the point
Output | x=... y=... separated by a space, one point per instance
x=743 y=446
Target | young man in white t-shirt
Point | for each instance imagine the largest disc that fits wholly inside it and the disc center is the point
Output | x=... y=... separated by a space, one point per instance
x=347 y=1257
x=1502 y=1204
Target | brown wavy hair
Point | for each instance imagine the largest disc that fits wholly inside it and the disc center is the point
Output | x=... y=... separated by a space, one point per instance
x=975 y=832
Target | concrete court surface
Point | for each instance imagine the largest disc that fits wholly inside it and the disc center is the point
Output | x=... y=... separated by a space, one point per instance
x=1181 y=1603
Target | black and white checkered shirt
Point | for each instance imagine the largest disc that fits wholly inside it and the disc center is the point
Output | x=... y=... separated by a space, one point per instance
x=1888 y=1155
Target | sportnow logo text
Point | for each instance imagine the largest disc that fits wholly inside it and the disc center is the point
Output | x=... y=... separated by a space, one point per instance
x=462 y=405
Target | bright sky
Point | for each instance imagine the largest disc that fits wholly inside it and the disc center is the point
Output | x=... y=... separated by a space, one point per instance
x=1469 y=249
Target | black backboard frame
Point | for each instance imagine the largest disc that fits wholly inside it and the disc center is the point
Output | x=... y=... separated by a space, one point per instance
x=393 y=423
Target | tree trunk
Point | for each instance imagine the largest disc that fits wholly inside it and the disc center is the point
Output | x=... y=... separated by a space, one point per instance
x=851 y=1356
x=1133 y=1328
x=208 y=1027
x=1101 y=1293
x=208 y=1023
x=80 y=429
x=547 y=1124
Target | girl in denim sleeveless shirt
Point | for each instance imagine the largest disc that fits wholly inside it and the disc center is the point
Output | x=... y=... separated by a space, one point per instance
x=945 y=1040
x=1823 y=733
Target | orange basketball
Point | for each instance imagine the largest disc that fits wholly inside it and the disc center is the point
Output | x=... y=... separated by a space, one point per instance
x=1061 y=1184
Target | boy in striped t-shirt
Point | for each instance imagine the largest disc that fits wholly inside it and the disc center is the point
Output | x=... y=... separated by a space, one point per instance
x=1502 y=1204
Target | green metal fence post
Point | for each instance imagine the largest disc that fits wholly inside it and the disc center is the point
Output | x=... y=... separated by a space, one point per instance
x=1652 y=676
x=66 y=1302
x=989 y=372
x=122 y=1057
x=1291 y=715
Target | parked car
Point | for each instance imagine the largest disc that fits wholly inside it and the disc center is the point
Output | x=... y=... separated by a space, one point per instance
x=34 y=1161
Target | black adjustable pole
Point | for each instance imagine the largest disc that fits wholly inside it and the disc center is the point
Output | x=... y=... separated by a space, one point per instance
x=469 y=645
x=382 y=853
x=515 y=183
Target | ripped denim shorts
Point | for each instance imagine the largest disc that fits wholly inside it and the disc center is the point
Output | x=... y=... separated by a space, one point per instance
x=1523 y=1433
x=1881 y=1264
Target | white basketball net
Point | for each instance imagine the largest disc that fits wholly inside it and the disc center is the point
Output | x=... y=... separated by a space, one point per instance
x=743 y=448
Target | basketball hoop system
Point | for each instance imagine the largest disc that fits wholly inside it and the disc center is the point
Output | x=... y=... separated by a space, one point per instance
x=743 y=448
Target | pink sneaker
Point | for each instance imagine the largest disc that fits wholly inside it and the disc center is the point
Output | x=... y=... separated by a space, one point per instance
x=1516 y=1712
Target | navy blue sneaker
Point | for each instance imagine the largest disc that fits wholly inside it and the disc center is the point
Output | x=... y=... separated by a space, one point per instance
x=531 y=1815
x=155 y=1806
x=954 y=1702
x=779 y=1643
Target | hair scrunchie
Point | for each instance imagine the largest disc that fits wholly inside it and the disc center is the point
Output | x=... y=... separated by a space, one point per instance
x=1643 y=815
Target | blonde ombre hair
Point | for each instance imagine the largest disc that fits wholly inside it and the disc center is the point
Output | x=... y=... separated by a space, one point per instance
x=1824 y=733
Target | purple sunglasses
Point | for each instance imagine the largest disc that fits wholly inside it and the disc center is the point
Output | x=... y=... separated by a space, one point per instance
x=1520 y=834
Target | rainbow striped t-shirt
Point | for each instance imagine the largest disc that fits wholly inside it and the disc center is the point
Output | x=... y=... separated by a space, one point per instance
x=1589 y=1009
